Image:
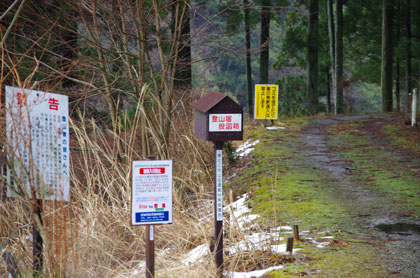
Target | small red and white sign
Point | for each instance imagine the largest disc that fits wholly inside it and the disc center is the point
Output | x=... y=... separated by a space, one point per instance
x=151 y=192
x=152 y=171
x=225 y=122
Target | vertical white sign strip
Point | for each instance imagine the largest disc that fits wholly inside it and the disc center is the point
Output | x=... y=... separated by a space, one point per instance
x=219 y=185
x=152 y=233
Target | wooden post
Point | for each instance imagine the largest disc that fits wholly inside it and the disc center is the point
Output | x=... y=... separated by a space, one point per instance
x=218 y=207
x=296 y=232
x=289 y=247
x=414 y=108
x=37 y=242
x=150 y=251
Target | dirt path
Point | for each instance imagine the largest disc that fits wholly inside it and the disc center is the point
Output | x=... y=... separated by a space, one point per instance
x=369 y=210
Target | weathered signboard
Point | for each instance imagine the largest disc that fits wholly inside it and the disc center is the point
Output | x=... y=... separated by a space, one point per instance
x=151 y=192
x=218 y=118
x=37 y=126
x=266 y=101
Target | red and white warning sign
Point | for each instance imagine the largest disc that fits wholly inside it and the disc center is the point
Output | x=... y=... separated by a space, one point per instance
x=151 y=192
x=38 y=143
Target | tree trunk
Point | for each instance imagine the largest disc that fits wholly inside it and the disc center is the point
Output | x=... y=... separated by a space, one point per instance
x=328 y=92
x=408 y=55
x=312 y=66
x=248 y=59
x=397 y=72
x=339 y=100
x=265 y=41
x=387 y=55
x=68 y=49
x=331 y=34
x=182 y=77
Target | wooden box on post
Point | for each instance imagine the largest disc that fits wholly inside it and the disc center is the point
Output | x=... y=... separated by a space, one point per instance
x=218 y=118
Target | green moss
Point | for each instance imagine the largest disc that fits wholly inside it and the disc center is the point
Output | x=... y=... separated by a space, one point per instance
x=377 y=166
x=287 y=190
x=355 y=260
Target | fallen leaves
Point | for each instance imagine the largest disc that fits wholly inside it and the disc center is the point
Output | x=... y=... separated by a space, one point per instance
x=339 y=243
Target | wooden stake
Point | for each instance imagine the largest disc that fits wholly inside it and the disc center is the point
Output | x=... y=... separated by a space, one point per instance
x=296 y=232
x=37 y=243
x=218 y=207
x=289 y=247
x=150 y=251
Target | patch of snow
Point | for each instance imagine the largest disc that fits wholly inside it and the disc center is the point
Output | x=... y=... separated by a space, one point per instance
x=281 y=249
x=246 y=148
x=239 y=207
x=256 y=273
x=196 y=254
x=283 y=229
x=268 y=241
x=240 y=210
x=275 y=127
x=243 y=220
x=140 y=268
x=322 y=244
x=259 y=241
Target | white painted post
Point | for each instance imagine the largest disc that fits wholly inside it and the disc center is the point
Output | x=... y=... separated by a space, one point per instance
x=414 y=108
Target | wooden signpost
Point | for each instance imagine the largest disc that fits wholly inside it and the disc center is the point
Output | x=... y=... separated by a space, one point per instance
x=151 y=201
x=37 y=127
x=218 y=119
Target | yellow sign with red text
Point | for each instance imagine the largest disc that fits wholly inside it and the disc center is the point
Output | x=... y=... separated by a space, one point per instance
x=266 y=99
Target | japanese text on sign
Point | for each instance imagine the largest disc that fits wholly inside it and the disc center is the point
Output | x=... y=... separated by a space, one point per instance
x=266 y=97
x=151 y=192
x=38 y=141
x=219 y=185
x=225 y=122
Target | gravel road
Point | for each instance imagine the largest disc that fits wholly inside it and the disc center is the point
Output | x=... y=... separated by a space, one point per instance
x=370 y=210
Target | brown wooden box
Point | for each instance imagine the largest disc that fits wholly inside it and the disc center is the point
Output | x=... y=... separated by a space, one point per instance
x=218 y=118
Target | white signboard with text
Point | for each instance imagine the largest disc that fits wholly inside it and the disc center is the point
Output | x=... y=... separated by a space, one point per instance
x=225 y=122
x=37 y=126
x=219 y=185
x=151 y=193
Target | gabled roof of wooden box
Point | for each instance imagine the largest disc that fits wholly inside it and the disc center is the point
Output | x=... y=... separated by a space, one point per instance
x=208 y=101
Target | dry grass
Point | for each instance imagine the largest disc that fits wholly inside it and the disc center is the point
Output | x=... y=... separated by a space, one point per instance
x=91 y=236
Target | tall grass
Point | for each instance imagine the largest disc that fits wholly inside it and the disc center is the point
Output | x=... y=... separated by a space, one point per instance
x=91 y=236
